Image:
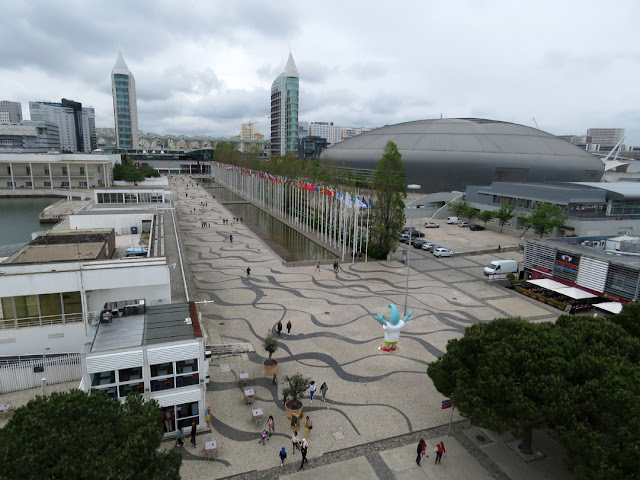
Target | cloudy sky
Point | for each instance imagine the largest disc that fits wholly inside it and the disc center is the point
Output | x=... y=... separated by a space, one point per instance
x=203 y=67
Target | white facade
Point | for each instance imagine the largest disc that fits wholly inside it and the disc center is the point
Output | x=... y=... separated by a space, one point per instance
x=326 y=130
x=75 y=134
x=10 y=112
x=605 y=136
x=125 y=105
x=31 y=170
x=93 y=284
x=170 y=367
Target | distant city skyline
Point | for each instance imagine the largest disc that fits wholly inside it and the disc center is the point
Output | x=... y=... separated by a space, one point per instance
x=505 y=61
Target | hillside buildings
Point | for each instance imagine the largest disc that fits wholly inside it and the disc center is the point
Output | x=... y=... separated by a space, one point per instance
x=76 y=124
x=125 y=109
x=10 y=112
x=284 y=110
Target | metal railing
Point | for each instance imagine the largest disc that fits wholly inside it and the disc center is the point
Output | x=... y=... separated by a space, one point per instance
x=27 y=322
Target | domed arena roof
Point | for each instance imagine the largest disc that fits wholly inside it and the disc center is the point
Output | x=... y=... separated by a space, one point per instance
x=449 y=154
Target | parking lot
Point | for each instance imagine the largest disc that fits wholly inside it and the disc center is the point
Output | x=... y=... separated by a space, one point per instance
x=461 y=239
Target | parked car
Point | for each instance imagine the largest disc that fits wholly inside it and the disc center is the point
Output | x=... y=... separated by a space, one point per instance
x=404 y=238
x=433 y=247
x=443 y=252
x=406 y=229
x=417 y=243
x=475 y=227
x=463 y=224
x=428 y=245
x=452 y=220
x=501 y=266
x=431 y=225
x=417 y=234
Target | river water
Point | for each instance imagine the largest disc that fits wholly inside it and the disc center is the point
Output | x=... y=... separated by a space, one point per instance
x=290 y=244
x=19 y=217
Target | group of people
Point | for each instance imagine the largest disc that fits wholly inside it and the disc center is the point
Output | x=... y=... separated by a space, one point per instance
x=422 y=451
x=279 y=327
x=323 y=390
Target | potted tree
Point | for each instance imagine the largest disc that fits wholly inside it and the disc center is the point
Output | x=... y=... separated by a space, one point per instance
x=270 y=365
x=298 y=384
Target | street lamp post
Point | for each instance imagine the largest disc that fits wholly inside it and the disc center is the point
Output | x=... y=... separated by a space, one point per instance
x=413 y=187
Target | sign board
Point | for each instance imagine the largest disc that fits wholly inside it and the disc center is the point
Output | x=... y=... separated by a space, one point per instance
x=446 y=404
x=295 y=421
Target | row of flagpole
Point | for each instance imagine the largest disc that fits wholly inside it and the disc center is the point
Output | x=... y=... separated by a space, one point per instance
x=307 y=207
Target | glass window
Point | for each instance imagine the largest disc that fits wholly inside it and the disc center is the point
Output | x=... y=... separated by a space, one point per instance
x=50 y=304
x=186 y=366
x=47 y=184
x=161 y=369
x=64 y=170
x=28 y=170
x=71 y=302
x=111 y=391
x=81 y=170
x=27 y=306
x=7 y=308
x=103 y=378
x=126 y=390
x=46 y=170
x=130 y=374
x=186 y=380
x=187 y=413
x=163 y=384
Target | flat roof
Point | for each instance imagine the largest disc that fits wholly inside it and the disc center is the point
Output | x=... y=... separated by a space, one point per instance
x=160 y=324
x=629 y=260
x=57 y=253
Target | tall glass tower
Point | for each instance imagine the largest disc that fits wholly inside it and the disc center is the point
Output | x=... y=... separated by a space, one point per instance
x=125 y=109
x=284 y=110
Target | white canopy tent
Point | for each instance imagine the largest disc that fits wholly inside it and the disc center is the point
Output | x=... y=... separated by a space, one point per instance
x=562 y=289
x=611 y=307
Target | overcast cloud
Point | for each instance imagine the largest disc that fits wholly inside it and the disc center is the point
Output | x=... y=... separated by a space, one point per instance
x=205 y=67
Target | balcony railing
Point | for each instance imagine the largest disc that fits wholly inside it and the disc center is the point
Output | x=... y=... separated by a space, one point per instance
x=26 y=322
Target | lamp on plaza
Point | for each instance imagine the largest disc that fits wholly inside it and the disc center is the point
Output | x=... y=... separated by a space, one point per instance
x=413 y=187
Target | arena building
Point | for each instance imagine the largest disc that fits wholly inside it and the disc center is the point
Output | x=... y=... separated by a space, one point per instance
x=445 y=155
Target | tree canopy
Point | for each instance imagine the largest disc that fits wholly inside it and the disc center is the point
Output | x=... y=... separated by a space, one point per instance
x=505 y=213
x=545 y=217
x=579 y=376
x=485 y=216
x=388 y=184
x=78 y=435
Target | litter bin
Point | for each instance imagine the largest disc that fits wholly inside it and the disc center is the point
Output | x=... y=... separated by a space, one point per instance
x=134 y=230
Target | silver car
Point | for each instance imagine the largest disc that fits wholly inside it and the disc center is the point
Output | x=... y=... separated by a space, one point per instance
x=431 y=225
x=443 y=252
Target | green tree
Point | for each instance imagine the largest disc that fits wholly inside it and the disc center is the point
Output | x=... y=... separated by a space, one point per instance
x=127 y=173
x=545 y=217
x=503 y=375
x=471 y=213
x=148 y=171
x=459 y=207
x=75 y=435
x=629 y=319
x=485 y=216
x=599 y=408
x=390 y=191
x=505 y=213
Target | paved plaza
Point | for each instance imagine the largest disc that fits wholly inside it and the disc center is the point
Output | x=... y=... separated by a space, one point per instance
x=378 y=404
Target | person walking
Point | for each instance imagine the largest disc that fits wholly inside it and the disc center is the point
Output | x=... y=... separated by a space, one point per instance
x=439 y=450
x=168 y=419
x=303 y=450
x=317 y=267
x=272 y=425
x=231 y=238
x=308 y=426
x=279 y=328
x=323 y=390
x=499 y=248
x=295 y=441
x=207 y=416
x=283 y=456
x=248 y=272
x=312 y=389
x=179 y=437
x=289 y=327
x=193 y=434
x=258 y=248
x=421 y=450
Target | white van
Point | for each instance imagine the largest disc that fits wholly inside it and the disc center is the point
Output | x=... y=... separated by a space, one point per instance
x=451 y=220
x=501 y=266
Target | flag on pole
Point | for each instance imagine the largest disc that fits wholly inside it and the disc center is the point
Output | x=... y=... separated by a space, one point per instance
x=360 y=203
x=371 y=204
x=347 y=200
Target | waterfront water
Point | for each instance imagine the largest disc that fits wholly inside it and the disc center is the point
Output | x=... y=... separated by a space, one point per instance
x=284 y=240
x=19 y=217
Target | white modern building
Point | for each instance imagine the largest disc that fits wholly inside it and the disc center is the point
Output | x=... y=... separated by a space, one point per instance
x=125 y=107
x=10 y=112
x=284 y=110
x=76 y=124
x=326 y=130
x=157 y=351
x=51 y=289
x=41 y=171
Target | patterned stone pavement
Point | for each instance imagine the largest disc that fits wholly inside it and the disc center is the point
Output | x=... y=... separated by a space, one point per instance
x=376 y=401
